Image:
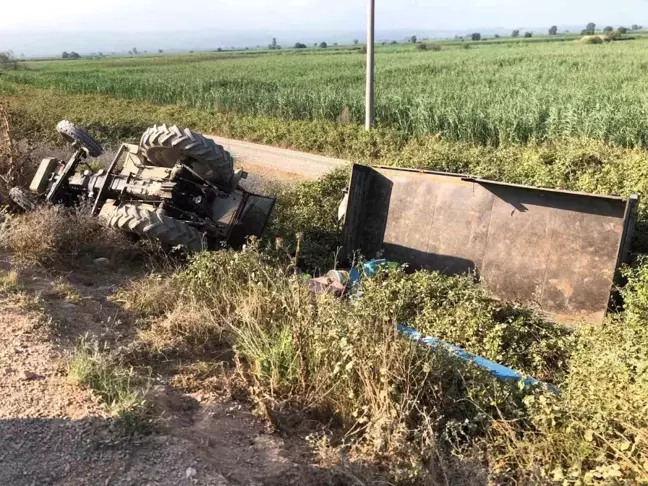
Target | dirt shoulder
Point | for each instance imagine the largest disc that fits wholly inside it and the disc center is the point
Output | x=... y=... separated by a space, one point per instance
x=52 y=432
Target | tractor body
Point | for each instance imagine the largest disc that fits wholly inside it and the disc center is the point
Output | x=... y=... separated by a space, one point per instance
x=176 y=205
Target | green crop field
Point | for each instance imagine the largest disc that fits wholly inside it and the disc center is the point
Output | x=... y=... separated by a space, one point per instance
x=490 y=94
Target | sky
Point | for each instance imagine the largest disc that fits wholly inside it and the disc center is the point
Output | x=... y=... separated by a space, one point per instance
x=146 y=20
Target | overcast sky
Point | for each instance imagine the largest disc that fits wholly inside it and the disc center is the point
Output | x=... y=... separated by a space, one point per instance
x=160 y=15
x=48 y=27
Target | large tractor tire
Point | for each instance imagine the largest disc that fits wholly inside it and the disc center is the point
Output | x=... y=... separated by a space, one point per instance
x=154 y=226
x=73 y=134
x=23 y=198
x=165 y=146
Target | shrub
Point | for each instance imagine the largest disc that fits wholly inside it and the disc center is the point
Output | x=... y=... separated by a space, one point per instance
x=342 y=357
x=591 y=39
x=309 y=209
x=422 y=46
x=55 y=235
x=187 y=329
x=7 y=61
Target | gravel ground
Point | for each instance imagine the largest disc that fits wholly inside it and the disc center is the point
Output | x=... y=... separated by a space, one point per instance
x=52 y=432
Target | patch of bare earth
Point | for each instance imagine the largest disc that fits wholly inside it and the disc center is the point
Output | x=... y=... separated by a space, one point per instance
x=52 y=432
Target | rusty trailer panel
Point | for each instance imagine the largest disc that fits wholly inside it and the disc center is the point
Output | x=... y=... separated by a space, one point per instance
x=556 y=251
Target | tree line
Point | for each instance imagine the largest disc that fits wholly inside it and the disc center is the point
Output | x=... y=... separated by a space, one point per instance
x=590 y=29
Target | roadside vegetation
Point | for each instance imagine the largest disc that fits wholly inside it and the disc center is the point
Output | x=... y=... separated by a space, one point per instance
x=120 y=389
x=62 y=237
x=369 y=398
x=417 y=415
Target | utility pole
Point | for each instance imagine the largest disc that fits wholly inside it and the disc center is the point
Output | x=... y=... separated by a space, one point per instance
x=369 y=105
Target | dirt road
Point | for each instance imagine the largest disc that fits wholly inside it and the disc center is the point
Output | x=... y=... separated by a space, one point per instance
x=52 y=432
x=278 y=163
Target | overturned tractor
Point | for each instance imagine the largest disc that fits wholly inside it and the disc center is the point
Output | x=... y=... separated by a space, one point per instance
x=177 y=187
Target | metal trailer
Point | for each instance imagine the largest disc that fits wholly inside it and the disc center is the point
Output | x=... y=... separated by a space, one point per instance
x=556 y=251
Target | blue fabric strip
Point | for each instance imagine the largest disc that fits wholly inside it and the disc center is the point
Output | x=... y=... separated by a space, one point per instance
x=500 y=372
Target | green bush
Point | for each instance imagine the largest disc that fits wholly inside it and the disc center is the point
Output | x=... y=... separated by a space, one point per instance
x=457 y=309
x=411 y=407
x=309 y=209
x=345 y=357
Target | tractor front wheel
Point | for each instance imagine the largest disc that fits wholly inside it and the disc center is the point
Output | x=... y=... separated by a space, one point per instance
x=23 y=198
x=73 y=134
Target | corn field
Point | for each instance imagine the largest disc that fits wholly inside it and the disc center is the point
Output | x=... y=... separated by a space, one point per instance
x=488 y=95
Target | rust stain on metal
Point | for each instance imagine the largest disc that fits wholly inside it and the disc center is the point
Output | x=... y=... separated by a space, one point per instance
x=566 y=289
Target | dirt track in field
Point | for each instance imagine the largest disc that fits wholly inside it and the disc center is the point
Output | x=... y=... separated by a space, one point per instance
x=278 y=163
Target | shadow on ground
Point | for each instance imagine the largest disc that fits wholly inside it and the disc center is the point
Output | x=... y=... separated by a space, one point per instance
x=52 y=432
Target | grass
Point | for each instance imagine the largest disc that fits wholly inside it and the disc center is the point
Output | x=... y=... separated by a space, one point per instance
x=65 y=290
x=61 y=236
x=410 y=411
x=112 y=383
x=524 y=92
x=10 y=282
x=120 y=390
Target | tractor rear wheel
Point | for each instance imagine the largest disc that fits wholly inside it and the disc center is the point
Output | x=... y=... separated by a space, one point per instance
x=165 y=146
x=154 y=226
